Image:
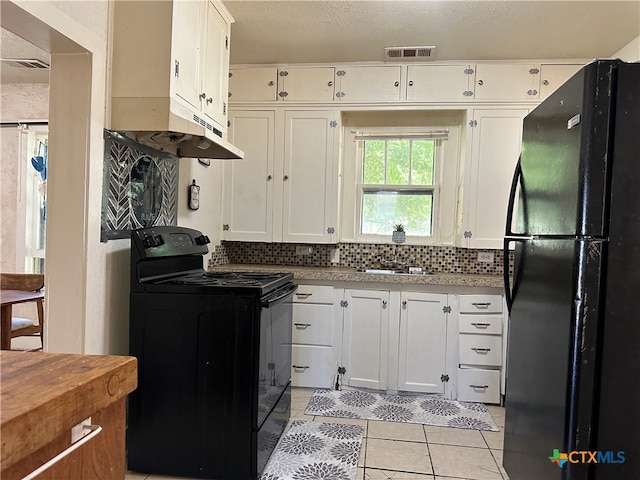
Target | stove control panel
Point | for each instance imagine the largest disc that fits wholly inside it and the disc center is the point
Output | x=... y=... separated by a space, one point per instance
x=169 y=241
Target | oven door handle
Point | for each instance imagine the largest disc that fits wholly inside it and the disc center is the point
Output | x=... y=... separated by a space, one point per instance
x=278 y=295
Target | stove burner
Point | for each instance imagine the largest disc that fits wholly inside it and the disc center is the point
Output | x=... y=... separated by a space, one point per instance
x=220 y=274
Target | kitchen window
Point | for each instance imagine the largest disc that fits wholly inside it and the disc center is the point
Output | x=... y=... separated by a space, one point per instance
x=397 y=184
x=400 y=167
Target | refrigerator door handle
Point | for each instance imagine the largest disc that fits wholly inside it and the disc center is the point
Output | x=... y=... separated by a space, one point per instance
x=517 y=179
x=510 y=236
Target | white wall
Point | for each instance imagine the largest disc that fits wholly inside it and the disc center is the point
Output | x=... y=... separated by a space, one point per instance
x=630 y=52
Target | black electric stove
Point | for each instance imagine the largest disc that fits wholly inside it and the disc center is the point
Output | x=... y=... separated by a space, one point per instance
x=214 y=360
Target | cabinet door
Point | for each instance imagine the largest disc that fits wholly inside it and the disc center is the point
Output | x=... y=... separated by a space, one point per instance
x=215 y=58
x=506 y=82
x=423 y=342
x=495 y=146
x=186 y=40
x=366 y=338
x=306 y=84
x=248 y=186
x=552 y=76
x=310 y=174
x=253 y=84
x=436 y=83
x=368 y=84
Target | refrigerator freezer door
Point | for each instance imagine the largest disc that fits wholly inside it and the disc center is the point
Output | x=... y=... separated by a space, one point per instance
x=564 y=158
x=551 y=356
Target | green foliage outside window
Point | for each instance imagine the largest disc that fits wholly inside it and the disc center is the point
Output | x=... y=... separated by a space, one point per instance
x=406 y=167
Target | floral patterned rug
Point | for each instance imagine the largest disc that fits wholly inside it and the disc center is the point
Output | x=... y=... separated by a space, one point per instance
x=425 y=409
x=316 y=450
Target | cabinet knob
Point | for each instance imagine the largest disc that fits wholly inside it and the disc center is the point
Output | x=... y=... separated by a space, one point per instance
x=269 y=177
x=202 y=96
x=271 y=83
x=480 y=82
x=545 y=82
x=210 y=100
x=384 y=304
x=404 y=304
x=411 y=83
x=285 y=178
x=330 y=84
x=396 y=84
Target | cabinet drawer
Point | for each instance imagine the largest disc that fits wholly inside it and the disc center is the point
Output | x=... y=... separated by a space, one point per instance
x=312 y=324
x=488 y=324
x=475 y=385
x=480 y=303
x=313 y=294
x=311 y=366
x=480 y=350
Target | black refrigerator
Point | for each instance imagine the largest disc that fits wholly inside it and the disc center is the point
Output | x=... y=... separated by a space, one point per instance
x=573 y=353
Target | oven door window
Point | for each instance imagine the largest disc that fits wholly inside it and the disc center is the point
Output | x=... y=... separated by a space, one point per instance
x=275 y=354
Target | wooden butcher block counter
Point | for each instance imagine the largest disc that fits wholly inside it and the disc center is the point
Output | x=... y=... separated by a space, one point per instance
x=44 y=395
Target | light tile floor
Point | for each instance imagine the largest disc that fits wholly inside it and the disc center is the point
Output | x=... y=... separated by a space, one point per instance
x=409 y=451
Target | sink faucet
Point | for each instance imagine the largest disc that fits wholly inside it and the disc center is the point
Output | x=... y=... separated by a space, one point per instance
x=406 y=264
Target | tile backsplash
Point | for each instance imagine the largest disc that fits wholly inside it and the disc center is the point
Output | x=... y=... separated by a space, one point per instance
x=437 y=259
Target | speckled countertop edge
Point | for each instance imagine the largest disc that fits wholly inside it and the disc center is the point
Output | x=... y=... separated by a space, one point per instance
x=342 y=274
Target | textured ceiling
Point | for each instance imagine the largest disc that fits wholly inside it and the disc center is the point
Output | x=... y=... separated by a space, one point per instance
x=316 y=31
x=337 y=31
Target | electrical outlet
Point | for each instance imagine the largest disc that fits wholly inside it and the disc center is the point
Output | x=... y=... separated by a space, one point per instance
x=304 y=250
x=335 y=255
x=485 y=257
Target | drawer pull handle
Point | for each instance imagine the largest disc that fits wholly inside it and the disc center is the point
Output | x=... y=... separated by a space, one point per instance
x=302 y=326
x=95 y=430
x=481 y=325
x=300 y=367
x=303 y=295
x=483 y=387
x=481 y=304
x=480 y=350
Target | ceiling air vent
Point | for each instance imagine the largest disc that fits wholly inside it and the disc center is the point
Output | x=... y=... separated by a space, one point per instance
x=26 y=63
x=410 y=53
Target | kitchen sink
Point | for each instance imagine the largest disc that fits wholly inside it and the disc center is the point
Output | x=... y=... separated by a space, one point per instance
x=393 y=272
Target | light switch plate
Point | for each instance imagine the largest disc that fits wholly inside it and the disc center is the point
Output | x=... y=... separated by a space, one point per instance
x=485 y=257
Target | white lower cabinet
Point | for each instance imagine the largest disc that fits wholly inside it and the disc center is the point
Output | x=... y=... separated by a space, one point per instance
x=366 y=338
x=397 y=341
x=481 y=348
x=422 y=350
x=317 y=339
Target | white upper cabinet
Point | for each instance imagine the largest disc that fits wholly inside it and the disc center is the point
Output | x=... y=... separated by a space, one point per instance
x=253 y=84
x=215 y=64
x=554 y=75
x=437 y=83
x=249 y=183
x=368 y=84
x=186 y=47
x=170 y=56
x=496 y=137
x=309 y=177
x=507 y=81
x=284 y=190
x=306 y=84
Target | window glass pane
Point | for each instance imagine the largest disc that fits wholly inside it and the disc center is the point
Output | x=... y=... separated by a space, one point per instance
x=422 y=162
x=398 y=162
x=373 y=164
x=382 y=210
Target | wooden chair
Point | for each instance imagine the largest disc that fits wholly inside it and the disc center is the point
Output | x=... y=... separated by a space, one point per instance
x=29 y=282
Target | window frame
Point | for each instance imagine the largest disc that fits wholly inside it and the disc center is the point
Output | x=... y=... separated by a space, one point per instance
x=361 y=188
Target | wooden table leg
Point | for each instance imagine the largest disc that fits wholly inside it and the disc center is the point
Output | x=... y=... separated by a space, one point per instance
x=5 y=327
